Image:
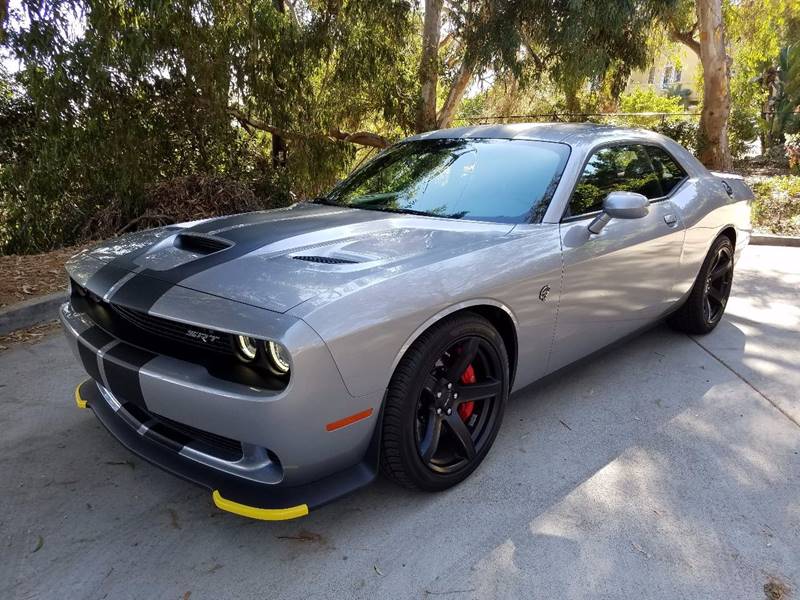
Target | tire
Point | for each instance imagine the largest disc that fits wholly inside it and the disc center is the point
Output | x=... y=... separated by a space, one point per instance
x=413 y=454
x=706 y=303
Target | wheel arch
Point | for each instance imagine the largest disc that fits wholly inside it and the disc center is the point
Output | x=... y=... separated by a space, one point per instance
x=728 y=231
x=498 y=314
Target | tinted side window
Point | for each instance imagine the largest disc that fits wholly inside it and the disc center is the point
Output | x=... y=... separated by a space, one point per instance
x=614 y=169
x=668 y=170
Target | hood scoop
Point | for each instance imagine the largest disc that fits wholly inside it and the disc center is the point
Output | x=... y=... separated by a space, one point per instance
x=328 y=260
x=200 y=243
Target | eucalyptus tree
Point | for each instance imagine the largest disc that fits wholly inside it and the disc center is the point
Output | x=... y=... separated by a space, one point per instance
x=700 y=26
x=113 y=96
x=568 y=41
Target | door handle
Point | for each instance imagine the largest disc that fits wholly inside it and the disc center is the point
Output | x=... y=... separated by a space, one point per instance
x=670 y=220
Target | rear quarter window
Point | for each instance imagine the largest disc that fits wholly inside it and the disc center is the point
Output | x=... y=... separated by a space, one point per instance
x=669 y=171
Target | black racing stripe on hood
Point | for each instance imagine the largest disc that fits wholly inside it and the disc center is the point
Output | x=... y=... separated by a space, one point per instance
x=105 y=278
x=110 y=273
x=143 y=290
x=251 y=218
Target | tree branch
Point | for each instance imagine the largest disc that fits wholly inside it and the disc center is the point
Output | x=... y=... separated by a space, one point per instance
x=686 y=38
x=362 y=138
x=455 y=94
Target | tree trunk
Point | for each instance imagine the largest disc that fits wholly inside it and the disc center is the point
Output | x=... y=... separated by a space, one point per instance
x=429 y=66
x=278 y=143
x=3 y=17
x=713 y=136
x=572 y=103
x=456 y=93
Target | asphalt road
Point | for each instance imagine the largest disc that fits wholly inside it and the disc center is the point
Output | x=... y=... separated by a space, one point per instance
x=668 y=468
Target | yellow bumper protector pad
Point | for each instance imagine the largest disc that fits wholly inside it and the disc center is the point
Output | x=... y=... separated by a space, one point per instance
x=263 y=514
x=78 y=400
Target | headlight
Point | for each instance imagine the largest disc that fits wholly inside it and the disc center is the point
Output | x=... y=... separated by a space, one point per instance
x=247 y=347
x=278 y=357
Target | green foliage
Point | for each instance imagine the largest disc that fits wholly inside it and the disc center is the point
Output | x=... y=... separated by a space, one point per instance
x=114 y=97
x=648 y=100
x=776 y=207
x=756 y=31
x=682 y=130
x=786 y=119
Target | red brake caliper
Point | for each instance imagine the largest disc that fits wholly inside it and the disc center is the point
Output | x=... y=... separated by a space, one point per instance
x=465 y=409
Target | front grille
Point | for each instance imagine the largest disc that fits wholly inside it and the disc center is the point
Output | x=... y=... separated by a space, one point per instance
x=180 y=435
x=199 y=337
x=212 y=349
x=226 y=447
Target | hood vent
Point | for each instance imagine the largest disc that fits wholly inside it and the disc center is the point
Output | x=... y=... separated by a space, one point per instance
x=200 y=243
x=328 y=260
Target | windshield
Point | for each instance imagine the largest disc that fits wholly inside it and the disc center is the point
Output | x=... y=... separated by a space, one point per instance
x=508 y=181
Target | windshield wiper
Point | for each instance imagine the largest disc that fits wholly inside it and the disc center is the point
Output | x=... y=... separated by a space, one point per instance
x=403 y=211
x=325 y=201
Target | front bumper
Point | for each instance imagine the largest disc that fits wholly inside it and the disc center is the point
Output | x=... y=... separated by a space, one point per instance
x=229 y=492
x=295 y=446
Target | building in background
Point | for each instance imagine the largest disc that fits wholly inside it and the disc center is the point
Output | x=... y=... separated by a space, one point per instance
x=674 y=72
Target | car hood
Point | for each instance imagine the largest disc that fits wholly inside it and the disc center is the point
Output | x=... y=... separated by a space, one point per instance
x=277 y=259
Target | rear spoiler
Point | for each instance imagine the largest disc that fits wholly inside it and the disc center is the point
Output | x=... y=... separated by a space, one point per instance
x=728 y=176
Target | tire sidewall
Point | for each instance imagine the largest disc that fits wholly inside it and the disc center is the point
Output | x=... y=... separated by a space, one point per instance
x=699 y=293
x=432 y=348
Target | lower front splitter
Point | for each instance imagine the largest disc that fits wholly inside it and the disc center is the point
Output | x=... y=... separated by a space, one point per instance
x=269 y=502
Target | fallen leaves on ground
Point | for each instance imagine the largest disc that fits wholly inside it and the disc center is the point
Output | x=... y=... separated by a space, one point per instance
x=775 y=589
x=27 y=336
x=23 y=277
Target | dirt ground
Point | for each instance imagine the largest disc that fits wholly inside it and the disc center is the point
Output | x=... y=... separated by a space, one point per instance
x=23 y=277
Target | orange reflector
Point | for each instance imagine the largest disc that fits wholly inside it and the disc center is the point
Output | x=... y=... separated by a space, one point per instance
x=348 y=420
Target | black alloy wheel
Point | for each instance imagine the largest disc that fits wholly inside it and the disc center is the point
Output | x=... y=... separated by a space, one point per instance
x=703 y=309
x=456 y=407
x=718 y=285
x=445 y=404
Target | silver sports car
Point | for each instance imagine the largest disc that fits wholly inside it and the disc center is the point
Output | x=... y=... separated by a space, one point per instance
x=282 y=358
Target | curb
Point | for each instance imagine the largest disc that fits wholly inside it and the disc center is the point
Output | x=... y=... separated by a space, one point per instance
x=769 y=239
x=31 y=312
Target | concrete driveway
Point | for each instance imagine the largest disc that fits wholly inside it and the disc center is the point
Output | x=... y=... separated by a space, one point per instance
x=668 y=468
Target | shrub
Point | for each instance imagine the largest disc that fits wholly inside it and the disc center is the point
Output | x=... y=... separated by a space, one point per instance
x=776 y=207
x=192 y=198
x=682 y=131
x=793 y=152
x=648 y=100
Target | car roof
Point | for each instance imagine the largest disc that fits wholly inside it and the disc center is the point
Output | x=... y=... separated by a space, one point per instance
x=573 y=133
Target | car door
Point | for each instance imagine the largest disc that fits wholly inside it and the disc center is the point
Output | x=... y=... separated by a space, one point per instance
x=618 y=280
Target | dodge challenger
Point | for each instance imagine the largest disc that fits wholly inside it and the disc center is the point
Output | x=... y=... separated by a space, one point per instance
x=283 y=358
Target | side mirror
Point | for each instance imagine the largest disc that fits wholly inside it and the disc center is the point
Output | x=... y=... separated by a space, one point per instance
x=620 y=205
